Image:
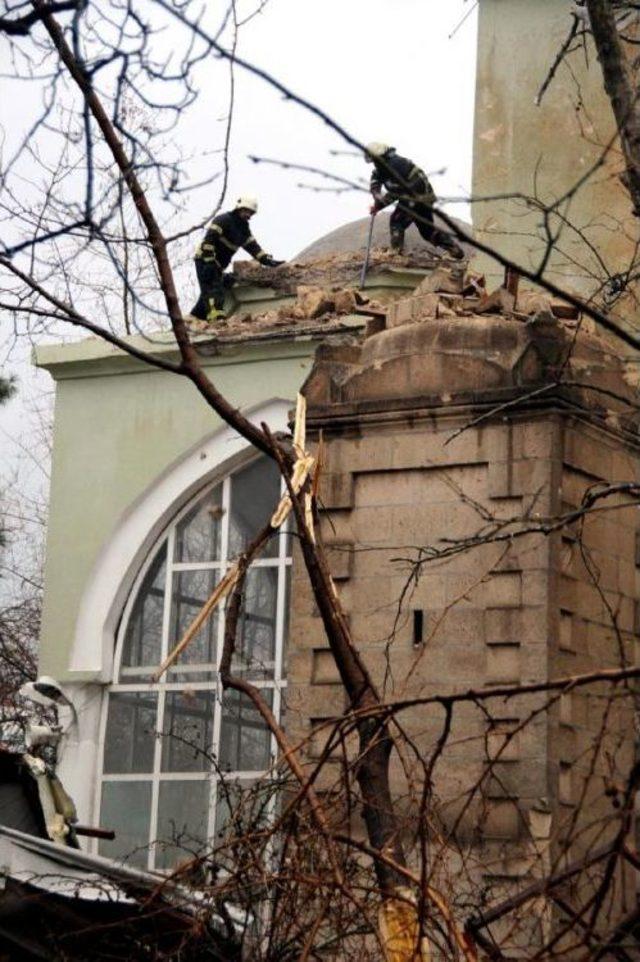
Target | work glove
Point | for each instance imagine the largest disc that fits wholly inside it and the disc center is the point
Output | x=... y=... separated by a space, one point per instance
x=271 y=262
x=377 y=205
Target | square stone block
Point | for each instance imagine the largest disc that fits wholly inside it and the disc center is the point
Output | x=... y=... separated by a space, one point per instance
x=340 y=558
x=566 y=708
x=503 y=589
x=502 y=819
x=336 y=491
x=502 y=625
x=321 y=732
x=503 y=664
x=502 y=743
x=565 y=784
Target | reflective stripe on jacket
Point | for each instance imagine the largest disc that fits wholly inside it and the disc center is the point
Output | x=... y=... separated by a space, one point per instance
x=401 y=178
x=226 y=234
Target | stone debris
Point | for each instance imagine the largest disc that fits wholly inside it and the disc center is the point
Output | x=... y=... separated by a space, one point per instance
x=311 y=304
x=448 y=290
x=339 y=270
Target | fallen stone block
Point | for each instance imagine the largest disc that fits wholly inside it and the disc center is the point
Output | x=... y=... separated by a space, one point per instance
x=444 y=310
x=442 y=280
x=532 y=302
x=564 y=311
x=474 y=284
x=312 y=302
x=500 y=301
x=344 y=302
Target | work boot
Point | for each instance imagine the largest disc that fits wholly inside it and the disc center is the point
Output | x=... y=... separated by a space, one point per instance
x=216 y=315
x=454 y=250
x=397 y=241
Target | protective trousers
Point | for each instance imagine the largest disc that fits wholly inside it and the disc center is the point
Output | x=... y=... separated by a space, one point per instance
x=404 y=214
x=212 y=283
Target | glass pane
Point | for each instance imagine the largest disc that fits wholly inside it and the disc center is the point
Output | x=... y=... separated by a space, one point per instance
x=130 y=736
x=126 y=808
x=245 y=741
x=198 y=534
x=190 y=591
x=255 y=492
x=183 y=810
x=187 y=731
x=143 y=636
x=256 y=643
x=234 y=807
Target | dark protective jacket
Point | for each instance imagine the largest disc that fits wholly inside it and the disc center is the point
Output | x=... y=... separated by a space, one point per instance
x=401 y=178
x=226 y=234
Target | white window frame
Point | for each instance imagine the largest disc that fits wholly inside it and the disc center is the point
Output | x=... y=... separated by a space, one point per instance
x=277 y=683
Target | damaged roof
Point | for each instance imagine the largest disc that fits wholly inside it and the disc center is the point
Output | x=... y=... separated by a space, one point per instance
x=322 y=296
x=59 y=903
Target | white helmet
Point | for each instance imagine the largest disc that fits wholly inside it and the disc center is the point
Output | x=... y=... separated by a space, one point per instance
x=376 y=149
x=247 y=203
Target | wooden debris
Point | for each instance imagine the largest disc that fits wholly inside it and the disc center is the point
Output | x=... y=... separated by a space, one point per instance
x=512 y=282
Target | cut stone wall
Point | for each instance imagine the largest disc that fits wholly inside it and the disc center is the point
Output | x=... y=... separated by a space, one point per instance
x=398 y=479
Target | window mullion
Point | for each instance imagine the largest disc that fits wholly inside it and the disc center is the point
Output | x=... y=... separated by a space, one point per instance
x=97 y=802
x=168 y=595
x=217 y=701
x=224 y=551
x=155 y=786
x=164 y=650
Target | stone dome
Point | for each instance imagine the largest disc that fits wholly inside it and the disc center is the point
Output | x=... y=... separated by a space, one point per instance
x=353 y=237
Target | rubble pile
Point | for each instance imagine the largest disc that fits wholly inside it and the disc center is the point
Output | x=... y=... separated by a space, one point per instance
x=447 y=292
x=311 y=304
x=325 y=291
x=333 y=271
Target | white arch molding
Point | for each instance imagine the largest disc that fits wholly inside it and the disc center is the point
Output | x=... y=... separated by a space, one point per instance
x=139 y=528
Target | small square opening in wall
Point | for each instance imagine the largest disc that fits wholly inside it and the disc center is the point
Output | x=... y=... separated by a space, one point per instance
x=565 y=784
x=418 y=628
x=503 y=740
x=565 y=633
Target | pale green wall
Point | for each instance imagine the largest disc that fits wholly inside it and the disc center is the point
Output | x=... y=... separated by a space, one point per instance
x=519 y=147
x=114 y=433
x=119 y=424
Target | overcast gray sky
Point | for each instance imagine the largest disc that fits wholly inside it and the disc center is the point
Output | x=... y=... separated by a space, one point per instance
x=384 y=69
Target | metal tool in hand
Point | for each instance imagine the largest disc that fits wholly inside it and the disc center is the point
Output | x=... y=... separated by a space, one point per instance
x=365 y=266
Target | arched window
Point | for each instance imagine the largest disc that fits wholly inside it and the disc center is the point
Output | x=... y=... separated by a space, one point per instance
x=174 y=750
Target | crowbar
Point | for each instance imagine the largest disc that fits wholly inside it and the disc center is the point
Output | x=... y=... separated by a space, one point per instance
x=365 y=266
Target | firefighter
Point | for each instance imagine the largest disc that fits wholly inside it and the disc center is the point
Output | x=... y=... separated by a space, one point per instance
x=408 y=187
x=226 y=234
